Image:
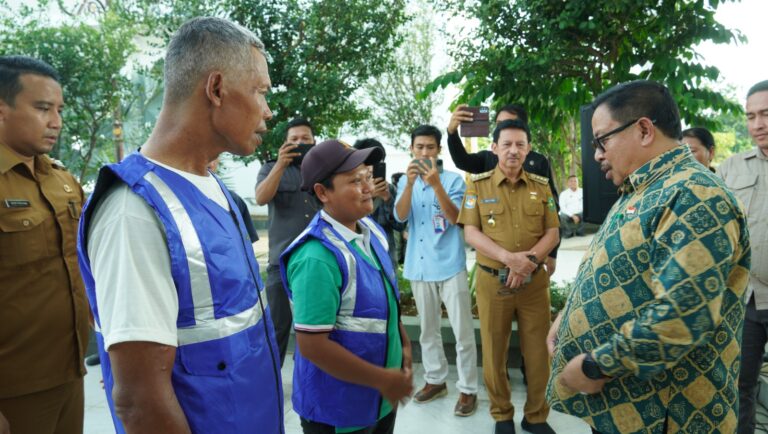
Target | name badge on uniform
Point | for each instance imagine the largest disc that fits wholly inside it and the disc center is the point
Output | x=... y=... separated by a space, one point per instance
x=534 y=195
x=16 y=203
x=438 y=223
x=491 y=200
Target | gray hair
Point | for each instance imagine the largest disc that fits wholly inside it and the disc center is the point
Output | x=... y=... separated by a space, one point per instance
x=204 y=44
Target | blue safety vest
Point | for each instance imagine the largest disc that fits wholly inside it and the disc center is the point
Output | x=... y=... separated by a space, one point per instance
x=226 y=375
x=361 y=328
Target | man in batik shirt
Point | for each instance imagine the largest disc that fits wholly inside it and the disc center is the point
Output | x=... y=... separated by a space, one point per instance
x=648 y=341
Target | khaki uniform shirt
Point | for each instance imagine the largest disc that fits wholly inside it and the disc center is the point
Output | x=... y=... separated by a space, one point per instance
x=746 y=174
x=515 y=216
x=43 y=308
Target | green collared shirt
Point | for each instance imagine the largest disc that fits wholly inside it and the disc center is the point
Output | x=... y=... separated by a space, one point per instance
x=658 y=301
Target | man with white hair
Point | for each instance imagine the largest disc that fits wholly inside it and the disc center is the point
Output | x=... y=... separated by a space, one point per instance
x=185 y=337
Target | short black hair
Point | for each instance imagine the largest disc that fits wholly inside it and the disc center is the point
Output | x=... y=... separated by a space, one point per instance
x=299 y=122
x=573 y=176
x=13 y=67
x=515 y=124
x=515 y=109
x=327 y=183
x=759 y=87
x=396 y=177
x=642 y=98
x=426 y=130
x=704 y=136
x=370 y=143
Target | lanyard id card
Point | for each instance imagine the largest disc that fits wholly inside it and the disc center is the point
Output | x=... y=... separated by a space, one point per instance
x=438 y=223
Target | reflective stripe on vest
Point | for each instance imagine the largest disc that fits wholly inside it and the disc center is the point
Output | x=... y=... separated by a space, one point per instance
x=206 y=327
x=378 y=233
x=345 y=320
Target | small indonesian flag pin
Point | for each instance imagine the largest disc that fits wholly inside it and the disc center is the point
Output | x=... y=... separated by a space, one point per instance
x=631 y=210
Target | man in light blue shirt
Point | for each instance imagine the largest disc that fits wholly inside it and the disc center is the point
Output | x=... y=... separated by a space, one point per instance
x=429 y=199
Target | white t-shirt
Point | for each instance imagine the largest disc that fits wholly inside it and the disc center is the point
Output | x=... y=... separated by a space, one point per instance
x=131 y=265
x=571 y=202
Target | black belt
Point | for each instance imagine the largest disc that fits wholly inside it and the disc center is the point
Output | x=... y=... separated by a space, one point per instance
x=490 y=270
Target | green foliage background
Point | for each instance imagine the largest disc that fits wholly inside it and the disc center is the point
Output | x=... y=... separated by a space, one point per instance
x=553 y=57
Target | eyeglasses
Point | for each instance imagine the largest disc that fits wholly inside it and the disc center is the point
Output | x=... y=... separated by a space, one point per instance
x=599 y=142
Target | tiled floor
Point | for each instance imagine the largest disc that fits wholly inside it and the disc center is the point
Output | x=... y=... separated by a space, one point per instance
x=433 y=418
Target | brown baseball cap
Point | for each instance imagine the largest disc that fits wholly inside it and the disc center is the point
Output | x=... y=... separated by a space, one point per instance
x=331 y=157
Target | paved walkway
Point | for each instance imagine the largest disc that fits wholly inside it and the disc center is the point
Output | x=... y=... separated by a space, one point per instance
x=434 y=417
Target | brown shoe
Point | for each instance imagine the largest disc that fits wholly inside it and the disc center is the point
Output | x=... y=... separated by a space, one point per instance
x=430 y=392
x=466 y=405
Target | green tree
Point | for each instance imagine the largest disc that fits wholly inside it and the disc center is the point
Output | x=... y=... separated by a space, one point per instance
x=89 y=60
x=392 y=97
x=554 y=56
x=323 y=51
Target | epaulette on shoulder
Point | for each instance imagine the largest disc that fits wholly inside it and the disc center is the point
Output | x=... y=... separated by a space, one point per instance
x=57 y=164
x=538 y=178
x=480 y=176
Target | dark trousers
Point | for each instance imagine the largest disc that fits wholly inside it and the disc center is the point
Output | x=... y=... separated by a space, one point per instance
x=385 y=425
x=570 y=228
x=54 y=411
x=753 y=339
x=279 y=308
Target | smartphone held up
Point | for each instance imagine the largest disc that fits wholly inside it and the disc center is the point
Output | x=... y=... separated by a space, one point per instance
x=480 y=125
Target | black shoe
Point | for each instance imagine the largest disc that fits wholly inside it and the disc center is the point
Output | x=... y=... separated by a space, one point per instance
x=504 y=427
x=93 y=360
x=537 y=428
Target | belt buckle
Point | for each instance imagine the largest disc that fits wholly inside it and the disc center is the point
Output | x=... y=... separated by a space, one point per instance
x=512 y=291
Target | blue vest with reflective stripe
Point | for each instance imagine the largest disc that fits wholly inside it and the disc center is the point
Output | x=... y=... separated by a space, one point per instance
x=226 y=375
x=361 y=328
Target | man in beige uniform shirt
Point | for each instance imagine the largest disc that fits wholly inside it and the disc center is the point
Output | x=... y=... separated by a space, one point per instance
x=509 y=216
x=43 y=308
x=747 y=175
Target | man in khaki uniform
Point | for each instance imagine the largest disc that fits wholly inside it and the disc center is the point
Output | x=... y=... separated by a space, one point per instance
x=43 y=308
x=510 y=218
x=746 y=174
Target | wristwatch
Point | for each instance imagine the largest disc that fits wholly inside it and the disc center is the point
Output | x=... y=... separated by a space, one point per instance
x=591 y=369
x=533 y=259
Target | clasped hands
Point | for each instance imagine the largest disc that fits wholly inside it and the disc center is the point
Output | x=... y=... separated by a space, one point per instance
x=520 y=267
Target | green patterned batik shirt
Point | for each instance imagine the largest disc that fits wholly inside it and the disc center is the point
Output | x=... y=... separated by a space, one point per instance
x=658 y=301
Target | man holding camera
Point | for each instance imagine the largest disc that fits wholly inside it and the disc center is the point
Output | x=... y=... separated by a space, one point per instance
x=510 y=281
x=485 y=160
x=290 y=211
x=428 y=199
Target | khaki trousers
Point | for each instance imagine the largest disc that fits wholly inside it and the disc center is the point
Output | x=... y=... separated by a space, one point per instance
x=54 y=411
x=531 y=308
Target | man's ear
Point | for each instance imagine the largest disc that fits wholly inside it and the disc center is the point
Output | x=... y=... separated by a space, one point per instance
x=647 y=132
x=320 y=192
x=4 y=109
x=213 y=87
